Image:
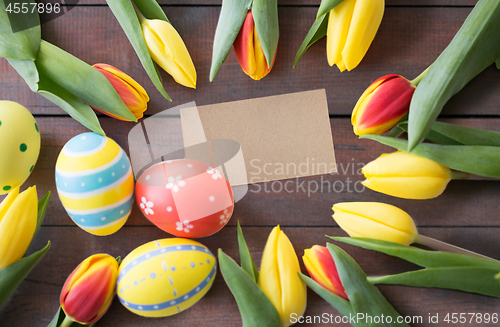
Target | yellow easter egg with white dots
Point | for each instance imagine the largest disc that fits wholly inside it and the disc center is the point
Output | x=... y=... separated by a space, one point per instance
x=164 y=277
x=19 y=145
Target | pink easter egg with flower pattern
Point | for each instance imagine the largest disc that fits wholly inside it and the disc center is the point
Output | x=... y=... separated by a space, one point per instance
x=185 y=197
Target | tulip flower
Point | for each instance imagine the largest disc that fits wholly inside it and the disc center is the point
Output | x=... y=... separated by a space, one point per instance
x=407 y=176
x=375 y=220
x=18 y=221
x=352 y=26
x=249 y=51
x=89 y=290
x=278 y=277
x=132 y=93
x=383 y=104
x=321 y=267
x=168 y=50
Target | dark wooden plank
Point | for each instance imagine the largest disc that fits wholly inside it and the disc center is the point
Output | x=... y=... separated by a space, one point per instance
x=37 y=298
x=409 y=39
x=464 y=203
x=303 y=2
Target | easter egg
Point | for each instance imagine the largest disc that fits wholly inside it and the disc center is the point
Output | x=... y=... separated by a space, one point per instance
x=164 y=277
x=185 y=197
x=95 y=183
x=19 y=145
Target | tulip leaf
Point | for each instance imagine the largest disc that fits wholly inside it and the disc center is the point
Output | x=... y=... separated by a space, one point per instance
x=80 y=79
x=247 y=262
x=38 y=82
x=316 y=32
x=340 y=304
x=475 y=47
x=20 y=34
x=472 y=159
x=127 y=18
x=255 y=307
x=232 y=16
x=42 y=208
x=151 y=9
x=497 y=63
x=420 y=257
x=432 y=136
x=12 y=275
x=468 y=279
x=265 y=16
x=326 y=6
x=363 y=296
x=59 y=318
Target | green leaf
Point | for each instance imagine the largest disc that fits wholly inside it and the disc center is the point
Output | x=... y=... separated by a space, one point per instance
x=468 y=279
x=265 y=16
x=20 y=34
x=467 y=135
x=433 y=136
x=316 y=32
x=232 y=16
x=475 y=47
x=247 y=262
x=255 y=307
x=12 y=275
x=59 y=317
x=423 y=258
x=340 y=304
x=151 y=9
x=363 y=296
x=80 y=79
x=497 y=63
x=326 y=6
x=125 y=14
x=71 y=104
x=472 y=159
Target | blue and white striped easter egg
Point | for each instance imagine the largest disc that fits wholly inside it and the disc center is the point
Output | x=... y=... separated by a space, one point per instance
x=95 y=183
x=164 y=277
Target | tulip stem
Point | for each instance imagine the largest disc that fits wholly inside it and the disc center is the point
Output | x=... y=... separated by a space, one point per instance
x=66 y=322
x=442 y=246
x=459 y=175
x=417 y=80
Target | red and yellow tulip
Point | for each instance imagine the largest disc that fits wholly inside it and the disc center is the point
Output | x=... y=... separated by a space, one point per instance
x=383 y=104
x=132 y=93
x=249 y=51
x=89 y=290
x=321 y=267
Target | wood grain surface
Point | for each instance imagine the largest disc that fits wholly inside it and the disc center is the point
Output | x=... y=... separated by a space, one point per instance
x=412 y=35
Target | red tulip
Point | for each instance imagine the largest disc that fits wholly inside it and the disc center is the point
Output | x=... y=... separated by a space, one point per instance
x=321 y=267
x=249 y=51
x=89 y=290
x=132 y=93
x=384 y=103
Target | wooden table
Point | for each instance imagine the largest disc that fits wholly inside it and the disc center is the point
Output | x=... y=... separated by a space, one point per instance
x=412 y=35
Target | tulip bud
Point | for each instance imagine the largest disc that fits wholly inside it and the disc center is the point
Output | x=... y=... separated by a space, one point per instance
x=279 y=279
x=321 y=267
x=169 y=51
x=383 y=104
x=352 y=26
x=375 y=220
x=406 y=175
x=249 y=51
x=18 y=220
x=132 y=93
x=89 y=290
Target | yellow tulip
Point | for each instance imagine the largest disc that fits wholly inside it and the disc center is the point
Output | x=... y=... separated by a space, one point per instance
x=352 y=26
x=18 y=220
x=169 y=51
x=375 y=220
x=279 y=279
x=406 y=175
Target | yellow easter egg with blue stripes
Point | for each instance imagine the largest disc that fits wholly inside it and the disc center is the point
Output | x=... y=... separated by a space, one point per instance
x=164 y=277
x=95 y=183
